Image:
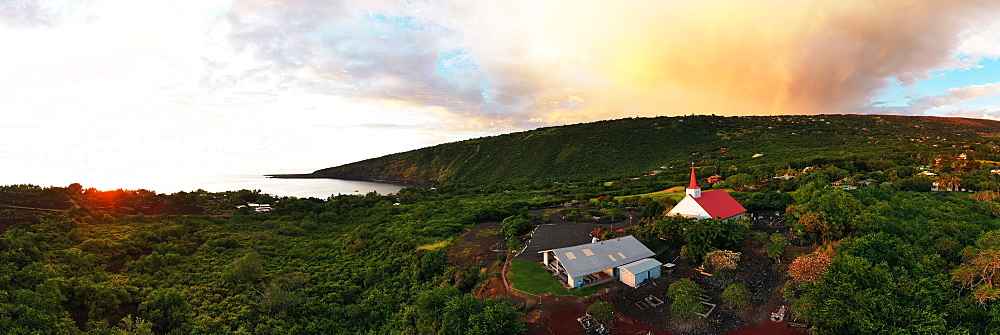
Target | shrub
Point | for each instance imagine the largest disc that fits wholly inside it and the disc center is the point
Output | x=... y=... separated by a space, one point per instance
x=601 y=310
x=682 y=287
x=512 y=244
x=684 y=307
x=809 y=267
x=244 y=269
x=515 y=225
x=736 y=295
x=228 y=242
x=722 y=259
x=167 y=309
x=653 y=209
x=777 y=247
x=685 y=253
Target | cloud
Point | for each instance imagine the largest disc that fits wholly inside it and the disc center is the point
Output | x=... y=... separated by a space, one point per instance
x=363 y=51
x=956 y=95
x=529 y=63
x=936 y=104
x=28 y=14
x=737 y=57
x=983 y=42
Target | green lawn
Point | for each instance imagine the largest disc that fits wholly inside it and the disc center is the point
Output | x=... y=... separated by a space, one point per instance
x=677 y=193
x=433 y=246
x=532 y=278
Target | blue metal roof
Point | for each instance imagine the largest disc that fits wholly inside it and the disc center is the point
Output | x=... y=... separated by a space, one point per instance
x=641 y=266
x=585 y=259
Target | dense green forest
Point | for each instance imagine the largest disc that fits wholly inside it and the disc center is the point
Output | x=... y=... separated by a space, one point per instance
x=348 y=264
x=867 y=246
x=627 y=147
x=911 y=262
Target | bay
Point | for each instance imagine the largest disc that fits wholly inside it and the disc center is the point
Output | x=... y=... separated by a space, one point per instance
x=171 y=182
x=302 y=188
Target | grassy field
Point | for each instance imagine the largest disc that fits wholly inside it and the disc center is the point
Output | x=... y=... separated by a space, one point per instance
x=532 y=278
x=436 y=245
x=673 y=192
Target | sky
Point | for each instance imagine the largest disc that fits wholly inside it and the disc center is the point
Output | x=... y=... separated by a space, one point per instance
x=113 y=93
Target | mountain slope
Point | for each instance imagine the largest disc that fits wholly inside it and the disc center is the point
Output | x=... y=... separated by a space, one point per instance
x=628 y=147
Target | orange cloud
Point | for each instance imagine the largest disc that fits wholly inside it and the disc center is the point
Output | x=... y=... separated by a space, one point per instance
x=753 y=57
x=529 y=63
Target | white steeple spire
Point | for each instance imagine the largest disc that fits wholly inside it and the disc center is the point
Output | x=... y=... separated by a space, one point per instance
x=693 y=190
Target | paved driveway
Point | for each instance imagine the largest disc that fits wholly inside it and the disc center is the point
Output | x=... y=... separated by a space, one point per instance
x=561 y=233
x=553 y=236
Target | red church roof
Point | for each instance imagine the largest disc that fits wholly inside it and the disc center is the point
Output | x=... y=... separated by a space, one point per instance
x=719 y=204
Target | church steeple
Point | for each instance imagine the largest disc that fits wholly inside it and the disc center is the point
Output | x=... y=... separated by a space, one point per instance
x=693 y=190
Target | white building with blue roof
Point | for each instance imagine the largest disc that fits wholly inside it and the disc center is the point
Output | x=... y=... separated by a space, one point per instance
x=601 y=261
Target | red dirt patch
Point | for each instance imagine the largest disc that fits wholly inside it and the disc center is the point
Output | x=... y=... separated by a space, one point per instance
x=472 y=249
x=626 y=326
x=556 y=320
x=560 y=318
x=493 y=288
x=768 y=327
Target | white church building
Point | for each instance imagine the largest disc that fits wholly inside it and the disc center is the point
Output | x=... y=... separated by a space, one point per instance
x=709 y=204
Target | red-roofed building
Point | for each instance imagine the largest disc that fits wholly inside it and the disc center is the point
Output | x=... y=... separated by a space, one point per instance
x=709 y=204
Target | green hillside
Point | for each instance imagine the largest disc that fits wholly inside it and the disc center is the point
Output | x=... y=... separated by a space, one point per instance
x=630 y=147
x=882 y=254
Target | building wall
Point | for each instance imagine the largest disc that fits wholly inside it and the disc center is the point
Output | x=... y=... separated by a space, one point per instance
x=640 y=277
x=688 y=207
x=631 y=279
x=627 y=278
x=737 y=216
x=655 y=272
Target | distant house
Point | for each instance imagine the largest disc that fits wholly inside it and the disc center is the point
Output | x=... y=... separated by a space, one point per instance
x=928 y=173
x=710 y=204
x=260 y=208
x=714 y=179
x=603 y=261
x=846 y=183
x=938 y=186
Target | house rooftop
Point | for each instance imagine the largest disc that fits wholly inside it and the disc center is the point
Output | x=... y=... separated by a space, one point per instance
x=642 y=265
x=585 y=259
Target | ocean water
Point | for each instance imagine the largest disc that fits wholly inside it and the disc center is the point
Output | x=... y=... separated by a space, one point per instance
x=302 y=188
x=212 y=182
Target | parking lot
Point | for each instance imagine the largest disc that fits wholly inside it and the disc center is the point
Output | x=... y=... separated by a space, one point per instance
x=560 y=234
